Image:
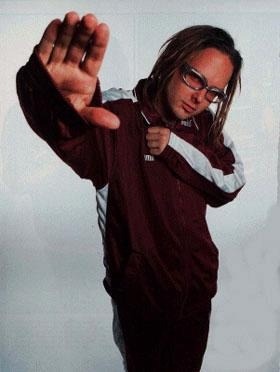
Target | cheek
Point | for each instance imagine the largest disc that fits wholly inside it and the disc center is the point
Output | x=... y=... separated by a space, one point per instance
x=203 y=106
x=176 y=94
x=171 y=97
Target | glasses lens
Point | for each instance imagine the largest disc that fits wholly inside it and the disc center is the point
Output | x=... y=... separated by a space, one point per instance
x=194 y=80
x=215 y=96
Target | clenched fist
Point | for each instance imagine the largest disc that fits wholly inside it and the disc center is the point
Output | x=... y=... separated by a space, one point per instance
x=157 y=139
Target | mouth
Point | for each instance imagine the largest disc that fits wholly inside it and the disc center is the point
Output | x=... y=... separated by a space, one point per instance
x=190 y=109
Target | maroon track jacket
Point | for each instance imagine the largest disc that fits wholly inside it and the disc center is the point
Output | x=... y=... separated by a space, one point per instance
x=159 y=256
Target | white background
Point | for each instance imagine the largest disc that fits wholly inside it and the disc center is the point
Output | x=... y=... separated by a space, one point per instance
x=54 y=312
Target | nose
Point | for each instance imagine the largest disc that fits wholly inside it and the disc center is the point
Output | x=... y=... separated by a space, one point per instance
x=199 y=95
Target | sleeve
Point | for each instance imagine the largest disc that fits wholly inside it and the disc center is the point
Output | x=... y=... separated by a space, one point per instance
x=217 y=173
x=88 y=150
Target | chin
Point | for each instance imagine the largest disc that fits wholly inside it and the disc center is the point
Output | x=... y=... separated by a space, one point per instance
x=183 y=115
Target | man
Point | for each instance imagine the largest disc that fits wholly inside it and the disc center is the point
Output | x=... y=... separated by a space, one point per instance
x=167 y=158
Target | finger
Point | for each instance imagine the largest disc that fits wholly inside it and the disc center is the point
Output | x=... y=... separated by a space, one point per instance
x=81 y=39
x=152 y=136
x=154 y=129
x=45 y=45
x=96 y=50
x=100 y=117
x=155 y=151
x=153 y=144
x=65 y=34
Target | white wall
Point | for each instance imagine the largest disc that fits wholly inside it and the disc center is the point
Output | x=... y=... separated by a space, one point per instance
x=55 y=314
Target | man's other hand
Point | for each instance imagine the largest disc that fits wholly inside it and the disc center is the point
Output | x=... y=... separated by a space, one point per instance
x=157 y=139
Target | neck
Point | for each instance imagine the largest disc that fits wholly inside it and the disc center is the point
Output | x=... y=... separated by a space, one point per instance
x=162 y=107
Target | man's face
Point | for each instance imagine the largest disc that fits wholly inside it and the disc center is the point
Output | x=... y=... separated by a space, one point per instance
x=185 y=102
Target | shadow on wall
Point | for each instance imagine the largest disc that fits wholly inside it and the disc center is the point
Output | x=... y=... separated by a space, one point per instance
x=55 y=313
x=245 y=334
x=63 y=207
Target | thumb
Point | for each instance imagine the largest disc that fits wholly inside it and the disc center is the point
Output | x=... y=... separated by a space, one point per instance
x=100 y=117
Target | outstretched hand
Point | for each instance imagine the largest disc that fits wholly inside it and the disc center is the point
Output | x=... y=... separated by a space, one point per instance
x=72 y=51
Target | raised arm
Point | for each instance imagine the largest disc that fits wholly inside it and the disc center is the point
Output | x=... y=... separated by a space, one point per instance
x=216 y=172
x=60 y=96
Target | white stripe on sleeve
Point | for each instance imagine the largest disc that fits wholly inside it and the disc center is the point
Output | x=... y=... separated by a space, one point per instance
x=201 y=164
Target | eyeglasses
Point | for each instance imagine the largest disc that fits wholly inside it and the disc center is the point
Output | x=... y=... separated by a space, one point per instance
x=196 y=81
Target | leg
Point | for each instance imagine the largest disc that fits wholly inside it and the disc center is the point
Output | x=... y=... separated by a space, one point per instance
x=163 y=346
x=188 y=341
x=118 y=333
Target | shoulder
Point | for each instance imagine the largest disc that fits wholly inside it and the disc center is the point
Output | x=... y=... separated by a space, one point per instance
x=121 y=102
x=116 y=94
x=204 y=121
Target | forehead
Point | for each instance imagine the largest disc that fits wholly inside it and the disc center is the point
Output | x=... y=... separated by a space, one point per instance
x=215 y=65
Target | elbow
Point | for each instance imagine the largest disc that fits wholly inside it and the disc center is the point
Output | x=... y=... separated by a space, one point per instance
x=222 y=198
x=216 y=203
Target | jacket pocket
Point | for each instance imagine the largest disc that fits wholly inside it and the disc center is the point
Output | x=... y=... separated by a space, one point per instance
x=147 y=288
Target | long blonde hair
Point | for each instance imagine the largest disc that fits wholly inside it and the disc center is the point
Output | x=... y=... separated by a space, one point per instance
x=182 y=46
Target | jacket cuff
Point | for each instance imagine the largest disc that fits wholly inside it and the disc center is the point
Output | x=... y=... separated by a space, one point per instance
x=168 y=154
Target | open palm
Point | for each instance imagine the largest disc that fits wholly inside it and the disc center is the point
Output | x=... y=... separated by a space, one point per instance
x=72 y=51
